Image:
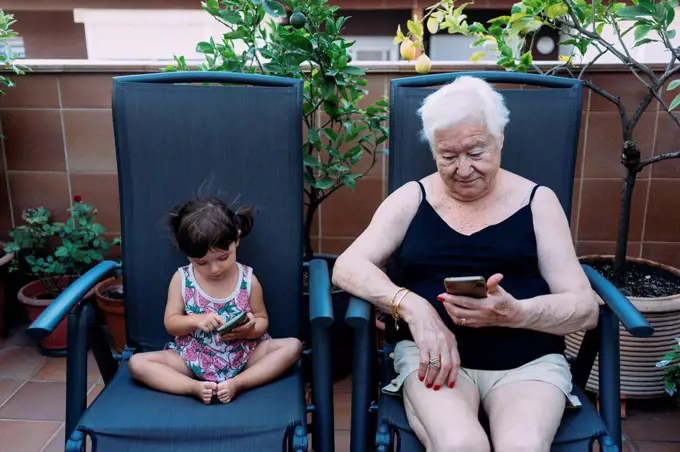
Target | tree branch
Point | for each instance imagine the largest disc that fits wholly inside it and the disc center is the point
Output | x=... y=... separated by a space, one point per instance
x=657 y=158
x=624 y=59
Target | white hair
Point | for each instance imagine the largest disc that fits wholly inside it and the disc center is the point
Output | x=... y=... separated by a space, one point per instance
x=466 y=100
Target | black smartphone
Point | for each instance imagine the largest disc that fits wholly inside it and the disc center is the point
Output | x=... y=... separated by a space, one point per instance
x=467 y=286
x=239 y=319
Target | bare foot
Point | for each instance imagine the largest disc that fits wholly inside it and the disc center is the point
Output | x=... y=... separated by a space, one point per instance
x=205 y=390
x=227 y=390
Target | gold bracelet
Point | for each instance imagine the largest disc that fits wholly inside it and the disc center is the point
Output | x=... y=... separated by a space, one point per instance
x=396 y=307
x=393 y=310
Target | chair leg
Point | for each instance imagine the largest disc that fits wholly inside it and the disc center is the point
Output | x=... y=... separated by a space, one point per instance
x=384 y=438
x=300 y=439
x=76 y=443
x=607 y=444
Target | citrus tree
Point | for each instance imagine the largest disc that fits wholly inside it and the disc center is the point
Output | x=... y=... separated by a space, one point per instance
x=597 y=28
x=341 y=132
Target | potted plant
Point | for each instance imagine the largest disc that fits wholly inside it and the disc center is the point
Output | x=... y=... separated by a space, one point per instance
x=80 y=245
x=111 y=300
x=652 y=287
x=341 y=133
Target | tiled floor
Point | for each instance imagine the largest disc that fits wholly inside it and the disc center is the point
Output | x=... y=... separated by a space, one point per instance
x=32 y=402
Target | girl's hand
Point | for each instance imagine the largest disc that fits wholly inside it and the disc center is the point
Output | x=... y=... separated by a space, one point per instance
x=499 y=308
x=209 y=322
x=241 y=332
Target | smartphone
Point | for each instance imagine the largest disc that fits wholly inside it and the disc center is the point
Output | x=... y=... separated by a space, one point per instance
x=239 y=319
x=468 y=286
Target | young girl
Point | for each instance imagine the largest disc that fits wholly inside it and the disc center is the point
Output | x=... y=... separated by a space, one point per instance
x=205 y=294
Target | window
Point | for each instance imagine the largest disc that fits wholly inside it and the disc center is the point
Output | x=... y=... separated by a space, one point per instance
x=16 y=46
x=373 y=48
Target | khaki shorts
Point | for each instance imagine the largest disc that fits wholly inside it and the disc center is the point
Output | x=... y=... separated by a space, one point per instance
x=552 y=369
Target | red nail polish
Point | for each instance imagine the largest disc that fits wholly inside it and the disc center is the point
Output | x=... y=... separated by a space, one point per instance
x=421 y=378
x=429 y=385
x=440 y=298
x=452 y=384
x=436 y=388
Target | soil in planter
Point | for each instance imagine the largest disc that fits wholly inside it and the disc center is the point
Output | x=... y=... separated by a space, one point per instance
x=643 y=281
x=115 y=293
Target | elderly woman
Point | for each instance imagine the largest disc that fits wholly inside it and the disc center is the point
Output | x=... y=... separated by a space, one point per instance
x=472 y=218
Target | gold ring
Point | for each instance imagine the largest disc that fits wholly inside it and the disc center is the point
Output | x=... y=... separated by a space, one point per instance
x=461 y=322
x=434 y=362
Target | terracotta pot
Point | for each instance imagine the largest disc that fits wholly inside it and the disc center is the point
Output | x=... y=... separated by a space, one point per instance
x=640 y=378
x=5 y=259
x=114 y=310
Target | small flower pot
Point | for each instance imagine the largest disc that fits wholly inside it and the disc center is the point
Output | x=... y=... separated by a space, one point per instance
x=109 y=294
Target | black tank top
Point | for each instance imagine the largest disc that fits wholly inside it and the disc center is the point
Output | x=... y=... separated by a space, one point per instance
x=432 y=251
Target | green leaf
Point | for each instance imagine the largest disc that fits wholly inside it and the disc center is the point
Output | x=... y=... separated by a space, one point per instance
x=432 y=25
x=643 y=42
x=349 y=179
x=294 y=41
x=671 y=34
x=311 y=161
x=323 y=184
x=231 y=17
x=416 y=28
x=314 y=136
x=239 y=33
x=557 y=10
x=273 y=8
x=205 y=47
x=673 y=84
x=477 y=56
x=632 y=12
x=353 y=70
x=675 y=103
x=642 y=31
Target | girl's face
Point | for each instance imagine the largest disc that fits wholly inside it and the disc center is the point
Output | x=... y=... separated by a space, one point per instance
x=216 y=264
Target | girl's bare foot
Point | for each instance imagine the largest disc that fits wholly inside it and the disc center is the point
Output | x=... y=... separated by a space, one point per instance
x=205 y=390
x=227 y=390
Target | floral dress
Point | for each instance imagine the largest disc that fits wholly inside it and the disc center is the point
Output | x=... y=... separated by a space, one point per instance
x=207 y=355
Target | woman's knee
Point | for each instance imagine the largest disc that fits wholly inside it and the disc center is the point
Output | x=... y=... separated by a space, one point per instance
x=522 y=441
x=460 y=441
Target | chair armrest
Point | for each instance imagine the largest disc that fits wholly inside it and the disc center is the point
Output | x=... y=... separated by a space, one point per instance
x=320 y=303
x=622 y=308
x=358 y=312
x=70 y=297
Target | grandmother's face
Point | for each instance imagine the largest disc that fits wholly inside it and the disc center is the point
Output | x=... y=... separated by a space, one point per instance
x=468 y=159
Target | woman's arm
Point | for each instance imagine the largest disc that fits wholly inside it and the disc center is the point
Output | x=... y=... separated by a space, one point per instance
x=358 y=269
x=571 y=306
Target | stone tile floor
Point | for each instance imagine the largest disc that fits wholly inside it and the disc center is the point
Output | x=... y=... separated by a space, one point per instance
x=33 y=396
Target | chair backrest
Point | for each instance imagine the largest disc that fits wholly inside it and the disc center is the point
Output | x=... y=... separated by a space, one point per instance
x=179 y=135
x=541 y=139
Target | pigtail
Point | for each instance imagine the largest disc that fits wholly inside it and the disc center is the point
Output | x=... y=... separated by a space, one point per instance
x=173 y=221
x=244 y=221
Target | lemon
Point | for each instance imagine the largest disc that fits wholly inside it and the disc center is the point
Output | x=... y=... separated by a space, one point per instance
x=407 y=50
x=298 y=20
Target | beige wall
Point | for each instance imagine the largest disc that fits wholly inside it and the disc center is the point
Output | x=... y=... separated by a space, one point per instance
x=59 y=143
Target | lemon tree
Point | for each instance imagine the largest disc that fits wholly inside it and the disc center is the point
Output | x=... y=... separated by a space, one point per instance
x=593 y=29
x=341 y=132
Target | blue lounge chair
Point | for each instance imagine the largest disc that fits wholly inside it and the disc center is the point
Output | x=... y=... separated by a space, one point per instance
x=541 y=142
x=236 y=136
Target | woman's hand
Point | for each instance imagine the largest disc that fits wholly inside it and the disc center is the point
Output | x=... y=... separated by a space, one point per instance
x=439 y=359
x=499 y=308
x=241 y=332
x=208 y=322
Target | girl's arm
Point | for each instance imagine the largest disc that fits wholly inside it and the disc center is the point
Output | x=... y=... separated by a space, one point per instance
x=177 y=322
x=258 y=310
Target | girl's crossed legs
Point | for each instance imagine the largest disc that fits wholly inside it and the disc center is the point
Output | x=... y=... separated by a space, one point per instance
x=166 y=371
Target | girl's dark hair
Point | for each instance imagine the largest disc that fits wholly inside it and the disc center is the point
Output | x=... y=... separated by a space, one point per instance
x=207 y=223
